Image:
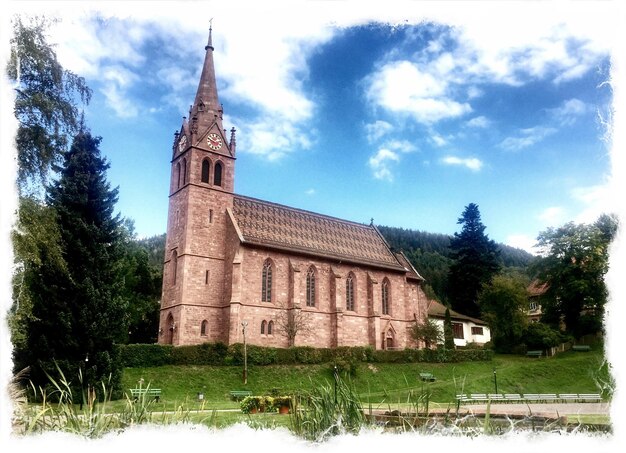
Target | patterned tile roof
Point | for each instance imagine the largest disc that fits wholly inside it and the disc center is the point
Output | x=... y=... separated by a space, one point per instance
x=281 y=227
x=437 y=310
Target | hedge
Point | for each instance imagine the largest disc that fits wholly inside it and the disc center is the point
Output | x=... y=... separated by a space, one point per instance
x=153 y=355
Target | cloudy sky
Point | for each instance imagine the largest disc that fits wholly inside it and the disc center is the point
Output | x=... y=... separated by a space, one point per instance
x=404 y=117
x=404 y=112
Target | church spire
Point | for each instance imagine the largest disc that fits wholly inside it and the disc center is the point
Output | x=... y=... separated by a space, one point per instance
x=206 y=108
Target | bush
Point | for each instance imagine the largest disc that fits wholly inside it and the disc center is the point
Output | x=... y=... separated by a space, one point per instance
x=145 y=355
x=541 y=336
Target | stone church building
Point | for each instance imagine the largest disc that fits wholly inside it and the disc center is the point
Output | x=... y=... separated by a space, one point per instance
x=235 y=263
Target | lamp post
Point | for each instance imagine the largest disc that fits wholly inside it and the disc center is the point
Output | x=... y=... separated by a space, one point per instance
x=83 y=380
x=335 y=375
x=245 y=352
x=495 y=379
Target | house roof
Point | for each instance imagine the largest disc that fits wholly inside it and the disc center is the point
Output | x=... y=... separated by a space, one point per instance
x=536 y=288
x=437 y=310
x=281 y=227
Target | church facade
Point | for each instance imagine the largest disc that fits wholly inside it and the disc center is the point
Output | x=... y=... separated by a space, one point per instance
x=281 y=276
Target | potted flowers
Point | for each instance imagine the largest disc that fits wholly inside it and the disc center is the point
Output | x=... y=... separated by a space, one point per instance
x=282 y=404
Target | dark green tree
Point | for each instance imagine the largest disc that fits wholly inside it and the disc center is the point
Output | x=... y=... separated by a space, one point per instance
x=142 y=287
x=428 y=332
x=78 y=311
x=476 y=260
x=448 y=332
x=47 y=99
x=503 y=303
x=575 y=260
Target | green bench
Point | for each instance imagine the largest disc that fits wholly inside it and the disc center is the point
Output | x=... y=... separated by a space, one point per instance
x=581 y=347
x=428 y=377
x=238 y=395
x=147 y=392
x=534 y=353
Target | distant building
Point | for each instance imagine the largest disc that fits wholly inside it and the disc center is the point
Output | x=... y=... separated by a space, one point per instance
x=233 y=261
x=535 y=292
x=465 y=328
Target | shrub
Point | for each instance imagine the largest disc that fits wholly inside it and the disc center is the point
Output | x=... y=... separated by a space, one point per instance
x=541 y=336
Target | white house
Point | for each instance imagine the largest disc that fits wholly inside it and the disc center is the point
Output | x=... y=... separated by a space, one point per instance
x=466 y=329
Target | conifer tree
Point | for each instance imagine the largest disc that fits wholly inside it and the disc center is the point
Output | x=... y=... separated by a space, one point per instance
x=448 y=333
x=475 y=262
x=77 y=311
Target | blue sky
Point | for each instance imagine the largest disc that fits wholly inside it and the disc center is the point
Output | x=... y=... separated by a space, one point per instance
x=402 y=117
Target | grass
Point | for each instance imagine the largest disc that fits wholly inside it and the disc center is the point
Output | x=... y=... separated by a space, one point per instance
x=379 y=383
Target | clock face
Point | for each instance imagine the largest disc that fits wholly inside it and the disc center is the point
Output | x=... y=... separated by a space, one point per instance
x=214 y=141
x=182 y=143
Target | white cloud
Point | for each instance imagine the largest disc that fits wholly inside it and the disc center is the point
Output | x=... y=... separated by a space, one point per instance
x=310 y=191
x=527 y=137
x=380 y=163
x=567 y=113
x=404 y=146
x=438 y=140
x=596 y=200
x=479 y=122
x=472 y=163
x=552 y=216
x=376 y=130
x=406 y=88
x=522 y=241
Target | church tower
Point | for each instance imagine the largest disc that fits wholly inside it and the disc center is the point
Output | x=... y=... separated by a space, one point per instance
x=201 y=193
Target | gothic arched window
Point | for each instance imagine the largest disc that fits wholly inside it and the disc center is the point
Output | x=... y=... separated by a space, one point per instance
x=350 y=292
x=270 y=327
x=217 y=175
x=184 y=169
x=206 y=168
x=203 y=328
x=266 y=282
x=385 y=297
x=177 y=176
x=263 y=324
x=310 y=287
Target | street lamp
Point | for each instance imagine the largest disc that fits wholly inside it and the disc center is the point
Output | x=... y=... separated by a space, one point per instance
x=335 y=375
x=245 y=352
x=495 y=379
x=82 y=381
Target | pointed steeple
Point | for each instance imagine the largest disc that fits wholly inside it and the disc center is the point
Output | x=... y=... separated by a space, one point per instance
x=206 y=108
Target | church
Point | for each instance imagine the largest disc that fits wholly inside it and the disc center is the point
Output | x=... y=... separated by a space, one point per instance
x=240 y=268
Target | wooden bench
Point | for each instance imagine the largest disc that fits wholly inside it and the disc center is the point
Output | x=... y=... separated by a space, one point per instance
x=581 y=347
x=238 y=395
x=589 y=397
x=427 y=377
x=146 y=392
x=534 y=353
x=567 y=397
x=512 y=397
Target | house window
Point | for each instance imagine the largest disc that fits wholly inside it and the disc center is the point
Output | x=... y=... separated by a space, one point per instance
x=310 y=287
x=263 y=325
x=532 y=306
x=385 y=297
x=206 y=167
x=270 y=327
x=457 y=328
x=350 y=292
x=217 y=176
x=203 y=328
x=477 y=330
x=266 y=282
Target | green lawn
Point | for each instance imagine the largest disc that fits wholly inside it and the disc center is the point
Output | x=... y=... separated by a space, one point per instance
x=378 y=383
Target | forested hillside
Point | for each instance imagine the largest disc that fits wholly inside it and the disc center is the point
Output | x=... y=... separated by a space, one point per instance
x=430 y=254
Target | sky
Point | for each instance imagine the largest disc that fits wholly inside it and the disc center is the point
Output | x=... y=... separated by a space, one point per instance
x=403 y=112
x=404 y=117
